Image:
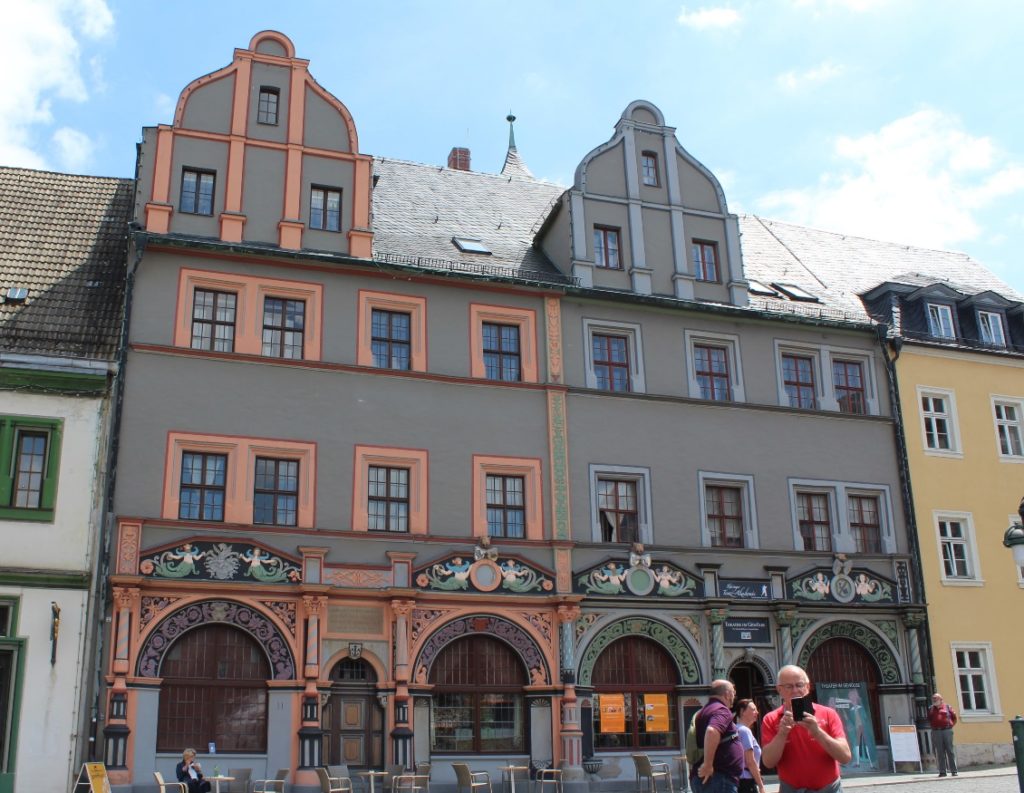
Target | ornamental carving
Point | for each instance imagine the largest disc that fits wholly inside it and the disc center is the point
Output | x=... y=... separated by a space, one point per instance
x=358 y=578
x=128 y=548
x=172 y=627
x=841 y=584
x=518 y=639
x=583 y=624
x=639 y=577
x=421 y=619
x=888 y=627
x=861 y=634
x=672 y=642
x=486 y=572
x=152 y=606
x=539 y=621
x=284 y=611
x=220 y=561
x=559 y=463
x=692 y=625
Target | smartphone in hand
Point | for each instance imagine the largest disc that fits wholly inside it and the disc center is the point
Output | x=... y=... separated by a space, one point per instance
x=802 y=705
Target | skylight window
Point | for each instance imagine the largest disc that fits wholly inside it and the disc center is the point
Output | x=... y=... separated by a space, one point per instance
x=794 y=292
x=471 y=245
x=16 y=294
x=757 y=288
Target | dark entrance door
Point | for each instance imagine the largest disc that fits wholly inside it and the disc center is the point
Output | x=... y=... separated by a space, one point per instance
x=846 y=661
x=353 y=720
x=750 y=684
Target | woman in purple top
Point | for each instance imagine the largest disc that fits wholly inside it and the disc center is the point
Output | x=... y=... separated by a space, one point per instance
x=746 y=717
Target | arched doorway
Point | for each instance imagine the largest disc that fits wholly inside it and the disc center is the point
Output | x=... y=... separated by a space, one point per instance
x=352 y=719
x=479 y=706
x=634 y=683
x=842 y=660
x=750 y=684
x=214 y=690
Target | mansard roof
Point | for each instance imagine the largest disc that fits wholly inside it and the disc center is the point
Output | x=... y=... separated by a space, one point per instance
x=63 y=238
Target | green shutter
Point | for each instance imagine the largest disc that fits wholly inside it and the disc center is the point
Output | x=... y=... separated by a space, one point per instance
x=6 y=461
x=49 y=494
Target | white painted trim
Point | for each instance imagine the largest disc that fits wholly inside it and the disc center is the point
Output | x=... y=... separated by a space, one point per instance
x=1018 y=403
x=731 y=342
x=955 y=450
x=642 y=477
x=970 y=540
x=994 y=711
x=829 y=489
x=751 y=536
x=633 y=334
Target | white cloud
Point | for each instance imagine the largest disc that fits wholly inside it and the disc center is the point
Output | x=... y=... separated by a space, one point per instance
x=859 y=6
x=921 y=179
x=707 y=18
x=44 y=40
x=74 y=148
x=795 y=81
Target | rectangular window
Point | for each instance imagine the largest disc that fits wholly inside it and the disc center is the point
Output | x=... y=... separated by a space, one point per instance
x=29 y=469
x=606 y=248
x=506 y=506
x=276 y=494
x=990 y=325
x=711 y=365
x=936 y=417
x=284 y=326
x=388 y=498
x=618 y=510
x=611 y=362
x=266 y=112
x=29 y=464
x=649 y=168
x=390 y=338
x=955 y=549
x=865 y=523
x=815 y=519
x=798 y=380
x=940 y=321
x=325 y=209
x=1008 y=428
x=501 y=352
x=848 y=382
x=973 y=683
x=724 y=506
x=201 y=496
x=213 y=320
x=705 y=260
x=197 y=191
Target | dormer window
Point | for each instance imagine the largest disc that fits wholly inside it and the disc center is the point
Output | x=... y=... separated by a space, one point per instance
x=705 y=260
x=266 y=112
x=606 y=248
x=940 y=321
x=649 y=168
x=325 y=208
x=990 y=328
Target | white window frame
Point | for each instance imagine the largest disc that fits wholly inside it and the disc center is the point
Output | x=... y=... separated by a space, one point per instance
x=867 y=366
x=940 y=316
x=731 y=343
x=989 y=321
x=798 y=486
x=745 y=482
x=824 y=387
x=970 y=543
x=994 y=711
x=953 y=422
x=634 y=340
x=641 y=476
x=1017 y=404
x=811 y=351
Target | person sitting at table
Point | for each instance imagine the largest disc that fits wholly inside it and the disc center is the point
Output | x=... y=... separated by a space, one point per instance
x=191 y=773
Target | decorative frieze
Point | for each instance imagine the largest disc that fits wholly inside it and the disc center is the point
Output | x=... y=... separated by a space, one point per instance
x=220 y=561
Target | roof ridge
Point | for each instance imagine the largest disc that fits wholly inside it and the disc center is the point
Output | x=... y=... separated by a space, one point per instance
x=499 y=176
x=46 y=172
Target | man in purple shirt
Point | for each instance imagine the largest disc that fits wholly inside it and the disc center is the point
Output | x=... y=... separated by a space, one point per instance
x=722 y=764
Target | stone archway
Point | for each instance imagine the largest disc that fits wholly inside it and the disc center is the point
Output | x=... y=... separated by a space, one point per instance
x=245 y=617
x=676 y=646
x=868 y=638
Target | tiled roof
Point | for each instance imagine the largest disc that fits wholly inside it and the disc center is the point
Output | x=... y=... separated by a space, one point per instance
x=64 y=238
x=418 y=209
x=836 y=268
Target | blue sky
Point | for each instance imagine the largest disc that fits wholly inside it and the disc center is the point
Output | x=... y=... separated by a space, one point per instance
x=894 y=119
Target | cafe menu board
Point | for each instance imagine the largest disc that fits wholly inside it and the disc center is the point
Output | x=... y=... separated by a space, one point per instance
x=92 y=779
x=613 y=712
x=656 y=712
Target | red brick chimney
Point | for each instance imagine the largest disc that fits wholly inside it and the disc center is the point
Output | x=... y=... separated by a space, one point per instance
x=458 y=159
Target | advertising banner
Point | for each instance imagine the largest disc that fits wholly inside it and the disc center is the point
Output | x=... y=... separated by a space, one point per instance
x=851 y=702
x=656 y=712
x=613 y=712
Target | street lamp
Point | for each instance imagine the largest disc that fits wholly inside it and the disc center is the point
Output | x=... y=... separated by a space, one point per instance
x=1014 y=540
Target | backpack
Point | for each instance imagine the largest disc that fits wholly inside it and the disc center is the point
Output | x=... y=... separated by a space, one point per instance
x=694 y=752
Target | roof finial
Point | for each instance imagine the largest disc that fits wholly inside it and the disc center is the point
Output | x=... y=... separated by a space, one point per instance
x=511 y=131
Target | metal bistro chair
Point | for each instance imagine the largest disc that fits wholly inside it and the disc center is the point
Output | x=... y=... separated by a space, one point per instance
x=471 y=780
x=241 y=781
x=409 y=783
x=333 y=784
x=548 y=779
x=423 y=770
x=652 y=772
x=275 y=785
x=169 y=787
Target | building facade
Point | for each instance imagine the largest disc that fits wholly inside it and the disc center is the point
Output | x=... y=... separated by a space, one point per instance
x=428 y=464
x=63 y=241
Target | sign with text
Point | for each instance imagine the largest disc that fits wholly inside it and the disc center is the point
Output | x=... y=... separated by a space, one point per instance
x=746 y=631
x=613 y=712
x=92 y=779
x=656 y=712
x=744 y=589
x=850 y=700
x=905 y=748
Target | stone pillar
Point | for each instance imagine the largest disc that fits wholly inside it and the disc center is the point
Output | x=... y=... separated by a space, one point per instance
x=785 y=616
x=717 y=615
x=913 y=620
x=402 y=735
x=572 y=732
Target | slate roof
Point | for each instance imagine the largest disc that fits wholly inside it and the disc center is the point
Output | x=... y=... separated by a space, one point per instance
x=418 y=209
x=64 y=238
x=836 y=268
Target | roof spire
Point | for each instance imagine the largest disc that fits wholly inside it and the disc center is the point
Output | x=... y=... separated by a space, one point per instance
x=513 y=165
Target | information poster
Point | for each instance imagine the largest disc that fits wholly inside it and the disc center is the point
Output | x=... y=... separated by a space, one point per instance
x=656 y=712
x=613 y=712
x=93 y=778
x=850 y=700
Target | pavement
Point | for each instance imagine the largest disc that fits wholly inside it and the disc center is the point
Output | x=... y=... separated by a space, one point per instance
x=997 y=779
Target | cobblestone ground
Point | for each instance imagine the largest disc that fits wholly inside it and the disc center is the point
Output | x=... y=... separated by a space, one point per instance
x=1001 y=780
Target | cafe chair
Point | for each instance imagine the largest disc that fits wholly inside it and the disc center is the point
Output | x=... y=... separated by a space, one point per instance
x=464 y=778
x=548 y=779
x=333 y=784
x=423 y=770
x=275 y=785
x=240 y=784
x=169 y=787
x=652 y=772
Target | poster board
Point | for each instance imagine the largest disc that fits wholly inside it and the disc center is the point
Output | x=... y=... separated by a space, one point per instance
x=92 y=779
x=656 y=712
x=904 y=746
x=850 y=701
x=613 y=712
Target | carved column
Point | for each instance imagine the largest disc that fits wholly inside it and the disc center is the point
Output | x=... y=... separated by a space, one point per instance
x=116 y=732
x=310 y=734
x=717 y=616
x=402 y=734
x=785 y=616
x=913 y=620
x=572 y=732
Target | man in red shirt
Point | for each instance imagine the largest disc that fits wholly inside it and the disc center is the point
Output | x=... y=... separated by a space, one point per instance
x=942 y=718
x=807 y=753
